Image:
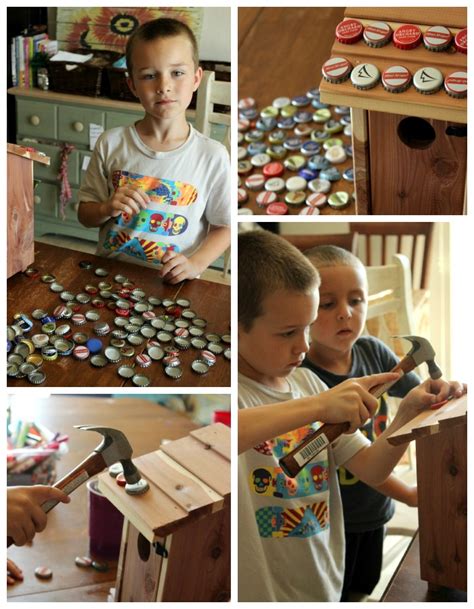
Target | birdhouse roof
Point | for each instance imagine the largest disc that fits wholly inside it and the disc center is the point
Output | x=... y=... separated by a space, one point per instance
x=188 y=479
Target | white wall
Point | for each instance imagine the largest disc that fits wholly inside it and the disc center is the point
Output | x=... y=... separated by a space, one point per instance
x=215 y=36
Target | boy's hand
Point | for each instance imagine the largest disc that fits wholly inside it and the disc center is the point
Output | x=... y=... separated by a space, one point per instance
x=25 y=517
x=126 y=199
x=425 y=395
x=176 y=267
x=14 y=573
x=351 y=401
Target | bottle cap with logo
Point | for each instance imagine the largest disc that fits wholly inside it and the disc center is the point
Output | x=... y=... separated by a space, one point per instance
x=349 y=31
x=455 y=84
x=377 y=34
x=396 y=79
x=365 y=76
x=407 y=37
x=336 y=69
x=428 y=80
x=460 y=41
x=437 y=38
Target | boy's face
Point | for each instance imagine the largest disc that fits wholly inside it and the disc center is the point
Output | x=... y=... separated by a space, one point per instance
x=342 y=309
x=163 y=76
x=278 y=340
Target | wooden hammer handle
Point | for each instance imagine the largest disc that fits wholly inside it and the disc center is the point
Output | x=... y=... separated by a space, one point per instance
x=92 y=465
x=314 y=443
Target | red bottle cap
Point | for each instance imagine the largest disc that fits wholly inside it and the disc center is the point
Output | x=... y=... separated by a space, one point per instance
x=437 y=38
x=407 y=37
x=455 y=84
x=273 y=170
x=396 y=79
x=277 y=209
x=349 y=31
x=460 y=41
x=377 y=34
x=336 y=69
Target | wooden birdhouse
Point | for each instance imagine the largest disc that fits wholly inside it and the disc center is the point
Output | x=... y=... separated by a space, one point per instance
x=176 y=536
x=409 y=148
x=441 y=463
x=20 y=222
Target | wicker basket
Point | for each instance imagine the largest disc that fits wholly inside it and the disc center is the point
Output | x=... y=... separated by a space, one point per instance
x=85 y=79
x=118 y=88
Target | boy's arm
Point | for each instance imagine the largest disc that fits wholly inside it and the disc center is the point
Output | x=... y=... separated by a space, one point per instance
x=349 y=401
x=397 y=489
x=177 y=267
x=127 y=199
x=375 y=463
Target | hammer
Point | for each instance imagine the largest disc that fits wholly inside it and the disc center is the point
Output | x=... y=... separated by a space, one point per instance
x=421 y=351
x=114 y=447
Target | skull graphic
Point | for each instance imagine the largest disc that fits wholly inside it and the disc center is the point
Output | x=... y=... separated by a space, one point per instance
x=261 y=480
x=155 y=222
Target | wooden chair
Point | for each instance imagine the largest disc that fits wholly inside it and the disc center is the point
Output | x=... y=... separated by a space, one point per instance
x=305 y=242
x=210 y=92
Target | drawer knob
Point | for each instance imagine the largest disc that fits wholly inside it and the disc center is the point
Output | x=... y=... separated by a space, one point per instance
x=79 y=127
x=35 y=120
x=37 y=199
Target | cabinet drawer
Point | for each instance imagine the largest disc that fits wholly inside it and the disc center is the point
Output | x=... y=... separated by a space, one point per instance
x=121 y=119
x=71 y=208
x=50 y=172
x=44 y=197
x=36 y=119
x=73 y=123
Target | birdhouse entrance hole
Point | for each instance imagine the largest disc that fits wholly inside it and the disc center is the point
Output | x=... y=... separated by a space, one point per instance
x=416 y=132
x=143 y=547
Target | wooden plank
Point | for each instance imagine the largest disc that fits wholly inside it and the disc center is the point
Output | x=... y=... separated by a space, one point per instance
x=204 y=463
x=201 y=548
x=27 y=154
x=154 y=514
x=455 y=17
x=427 y=422
x=185 y=489
x=442 y=507
x=361 y=156
x=217 y=435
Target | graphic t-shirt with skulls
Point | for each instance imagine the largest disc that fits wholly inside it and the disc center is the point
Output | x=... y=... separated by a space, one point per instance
x=291 y=532
x=189 y=190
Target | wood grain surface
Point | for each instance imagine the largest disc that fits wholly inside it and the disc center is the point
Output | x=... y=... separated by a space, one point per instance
x=145 y=424
x=281 y=51
x=210 y=301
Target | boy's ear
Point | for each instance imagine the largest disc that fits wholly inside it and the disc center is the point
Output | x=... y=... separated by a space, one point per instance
x=131 y=85
x=197 y=78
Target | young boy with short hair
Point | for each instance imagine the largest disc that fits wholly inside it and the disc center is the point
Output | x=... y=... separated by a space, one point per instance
x=339 y=352
x=291 y=533
x=159 y=190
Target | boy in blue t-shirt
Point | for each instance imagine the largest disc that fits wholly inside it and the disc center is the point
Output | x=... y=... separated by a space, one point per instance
x=339 y=352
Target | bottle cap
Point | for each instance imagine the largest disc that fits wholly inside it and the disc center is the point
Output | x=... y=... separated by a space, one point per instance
x=455 y=84
x=377 y=34
x=437 y=38
x=277 y=209
x=460 y=41
x=428 y=80
x=396 y=79
x=336 y=69
x=365 y=76
x=339 y=200
x=349 y=31
x=407 y=37
x=309 y=211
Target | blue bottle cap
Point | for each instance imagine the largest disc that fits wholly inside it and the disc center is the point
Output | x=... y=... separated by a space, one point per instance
x=267 y=123
x=348 y=150
x=318 y=162
x=303 y=116
x=332 y=174
x=286 y=123
x=94 y=345
x=316 y=103
x=248 y=113
x=300 y=101
x=310 y=148
x=313 y=93
x=348 y=174
x=308 y=174
x=293 y=143
x=256 y=148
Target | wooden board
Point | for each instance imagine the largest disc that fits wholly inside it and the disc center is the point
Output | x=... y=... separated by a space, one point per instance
x=437 y=106
x=431 y=422
x=455 y=18
x=187 y=481
x=442 y=506
x=217 y=436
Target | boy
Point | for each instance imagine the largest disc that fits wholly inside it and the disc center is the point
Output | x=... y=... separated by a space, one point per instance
x=291 y=537
x=338 y=352
x=158 y=189
x=25 y=517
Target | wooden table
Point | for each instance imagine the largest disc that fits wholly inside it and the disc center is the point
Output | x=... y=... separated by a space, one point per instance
x=210 y=301
x=66 y=536
x=407 y=586
x=281 y=51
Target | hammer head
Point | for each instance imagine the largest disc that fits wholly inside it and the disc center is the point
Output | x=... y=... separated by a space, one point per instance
x=115 y=447
x=422 y=351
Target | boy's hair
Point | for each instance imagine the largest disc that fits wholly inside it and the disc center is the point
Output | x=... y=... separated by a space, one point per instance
x=268 y=263
x=164 y=27
x=323 y=256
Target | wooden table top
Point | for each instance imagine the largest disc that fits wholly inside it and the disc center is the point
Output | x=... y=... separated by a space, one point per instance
x=281 y=51
x=407 y=586
x=210 y=301
x=66 y=536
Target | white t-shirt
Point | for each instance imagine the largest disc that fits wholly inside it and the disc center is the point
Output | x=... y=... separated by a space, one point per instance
x=189 y=189
x=291 y=531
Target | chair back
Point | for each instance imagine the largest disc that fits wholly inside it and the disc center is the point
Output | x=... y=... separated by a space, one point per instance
x=210 y=93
